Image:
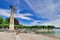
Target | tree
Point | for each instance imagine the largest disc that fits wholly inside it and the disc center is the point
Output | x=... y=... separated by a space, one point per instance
x=50 y=27
x=43 y=26
x=7 y=21
x=1 y=20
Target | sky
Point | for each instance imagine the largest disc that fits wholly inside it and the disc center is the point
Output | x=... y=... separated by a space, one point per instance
x=33 y=12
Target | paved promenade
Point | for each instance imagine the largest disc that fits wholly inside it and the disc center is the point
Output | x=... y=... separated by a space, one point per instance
x=24 y=36
x=7 y=36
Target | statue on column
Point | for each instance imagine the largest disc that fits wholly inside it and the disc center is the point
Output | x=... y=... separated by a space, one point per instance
x=11 y=27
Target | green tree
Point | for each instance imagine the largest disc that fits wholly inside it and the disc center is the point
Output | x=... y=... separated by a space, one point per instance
x=43 y=26
x=1 y=20
x=50 y=27
x=7 y=20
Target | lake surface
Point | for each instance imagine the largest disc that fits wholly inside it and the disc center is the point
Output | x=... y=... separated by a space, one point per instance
x=55 y=33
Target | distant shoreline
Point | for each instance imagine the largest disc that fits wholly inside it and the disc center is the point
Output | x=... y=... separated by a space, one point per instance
x=57 y=27
x=44 y=30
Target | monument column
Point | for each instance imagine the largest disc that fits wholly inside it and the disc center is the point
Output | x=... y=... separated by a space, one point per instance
x=11 y=27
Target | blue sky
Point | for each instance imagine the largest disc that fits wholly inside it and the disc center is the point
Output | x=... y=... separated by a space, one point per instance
x=33 y=12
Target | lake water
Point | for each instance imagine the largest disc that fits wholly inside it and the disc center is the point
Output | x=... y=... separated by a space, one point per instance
x=55 y=33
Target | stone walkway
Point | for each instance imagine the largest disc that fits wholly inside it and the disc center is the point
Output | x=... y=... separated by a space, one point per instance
x=25 y=36
x=7 y=36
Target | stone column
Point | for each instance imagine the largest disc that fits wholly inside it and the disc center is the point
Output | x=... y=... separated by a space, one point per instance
x=11 y=27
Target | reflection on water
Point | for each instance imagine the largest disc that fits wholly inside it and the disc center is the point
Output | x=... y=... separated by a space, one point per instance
x=45 y=32
x=55 y=33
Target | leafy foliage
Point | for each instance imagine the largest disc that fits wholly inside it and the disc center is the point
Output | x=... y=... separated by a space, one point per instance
x=1 y=20
x=5 y=24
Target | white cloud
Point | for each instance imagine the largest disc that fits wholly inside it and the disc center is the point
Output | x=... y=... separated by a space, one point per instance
x=23 y=16
x=35 y=22
x=6 y=13
x=44 y=9
x=53 y=22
